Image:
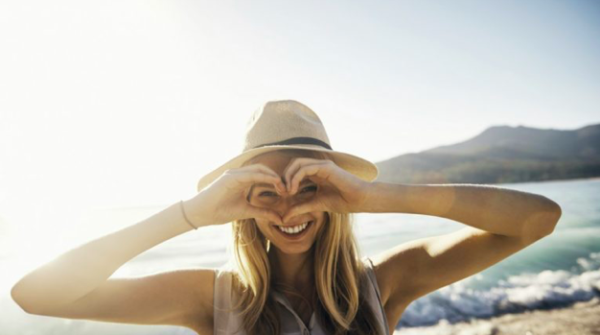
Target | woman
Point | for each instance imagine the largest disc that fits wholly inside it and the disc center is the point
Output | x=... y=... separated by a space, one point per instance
x=289 y=197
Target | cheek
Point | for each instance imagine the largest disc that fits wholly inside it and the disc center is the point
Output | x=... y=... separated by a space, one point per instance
x=321 y=222
x=320 y=227
x=323 y=217
x=263 y=226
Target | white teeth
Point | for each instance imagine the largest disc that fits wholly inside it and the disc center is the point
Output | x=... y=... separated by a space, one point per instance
x=295 y=229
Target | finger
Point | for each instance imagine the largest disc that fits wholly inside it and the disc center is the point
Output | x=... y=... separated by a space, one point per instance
x=267 y=214
x=294 y=167
x=317 y=170
x=250 y=178
x=306 y=207
x=287 y=173
x=279 y=184
x=262 y=168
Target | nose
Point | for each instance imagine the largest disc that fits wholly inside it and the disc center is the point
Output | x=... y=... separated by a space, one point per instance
x=285 y=203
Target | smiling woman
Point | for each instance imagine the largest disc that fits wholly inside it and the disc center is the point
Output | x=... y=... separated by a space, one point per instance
x=290 y=198
x=290 y=249
x=267 y=196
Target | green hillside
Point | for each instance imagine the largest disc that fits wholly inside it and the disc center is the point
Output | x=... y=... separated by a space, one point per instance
x=502 y=154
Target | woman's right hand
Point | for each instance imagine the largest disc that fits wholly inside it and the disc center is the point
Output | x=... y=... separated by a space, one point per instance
x=225 y=199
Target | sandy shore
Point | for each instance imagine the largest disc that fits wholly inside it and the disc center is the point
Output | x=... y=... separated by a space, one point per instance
x=582 y=318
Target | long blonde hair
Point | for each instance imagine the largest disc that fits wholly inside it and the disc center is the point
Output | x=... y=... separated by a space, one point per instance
x=341 y=306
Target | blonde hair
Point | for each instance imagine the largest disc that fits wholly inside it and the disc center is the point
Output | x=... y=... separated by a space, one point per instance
x=341 y=306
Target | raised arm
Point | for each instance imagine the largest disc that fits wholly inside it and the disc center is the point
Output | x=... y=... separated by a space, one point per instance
x=494 y=209
x=58 y=288
x=76 y=285
x=500 y=223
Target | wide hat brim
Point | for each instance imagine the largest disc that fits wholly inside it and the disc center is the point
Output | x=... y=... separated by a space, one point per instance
x=359 y=167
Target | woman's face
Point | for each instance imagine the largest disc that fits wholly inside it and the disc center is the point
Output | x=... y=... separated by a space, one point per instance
x=265 y=196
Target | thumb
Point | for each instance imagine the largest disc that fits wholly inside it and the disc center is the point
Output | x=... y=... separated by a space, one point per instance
x=305 y=207
x=267 y=214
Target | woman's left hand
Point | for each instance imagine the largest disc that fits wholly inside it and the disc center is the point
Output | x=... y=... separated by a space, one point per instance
x=338 y=190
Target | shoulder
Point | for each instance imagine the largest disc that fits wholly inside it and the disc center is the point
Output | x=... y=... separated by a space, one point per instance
x=393 y=271
x=202 y=283
x=416 y=268
x=372 y=276
x=215 y=297
x=227 y=316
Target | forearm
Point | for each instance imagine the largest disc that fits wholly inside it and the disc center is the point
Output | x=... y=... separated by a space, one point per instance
x=80 y=270
x=497 y=210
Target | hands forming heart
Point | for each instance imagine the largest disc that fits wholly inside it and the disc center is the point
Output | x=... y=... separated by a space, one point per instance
x=225 y=199
x=338 y=190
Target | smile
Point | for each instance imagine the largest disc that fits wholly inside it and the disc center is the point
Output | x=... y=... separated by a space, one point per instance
x=295 y=231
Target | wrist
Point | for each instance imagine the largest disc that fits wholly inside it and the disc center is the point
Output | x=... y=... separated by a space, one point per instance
x=385 y=198
x=369 y=204
x=192 y=218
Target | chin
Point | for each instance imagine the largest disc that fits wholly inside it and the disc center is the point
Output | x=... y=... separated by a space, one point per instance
x=293 y=250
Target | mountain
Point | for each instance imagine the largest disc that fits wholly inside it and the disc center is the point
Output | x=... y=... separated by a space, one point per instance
x=502 y=154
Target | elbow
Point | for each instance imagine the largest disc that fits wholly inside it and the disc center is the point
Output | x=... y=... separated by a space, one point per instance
x=542 y=223
x=548 y=219
x=20 y=299
x=554 y=213
x=17 y=298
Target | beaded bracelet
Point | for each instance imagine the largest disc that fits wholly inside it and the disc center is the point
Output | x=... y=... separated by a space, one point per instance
x=185 y=216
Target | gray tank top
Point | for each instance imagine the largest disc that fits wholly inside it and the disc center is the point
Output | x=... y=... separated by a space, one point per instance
x=227 y=323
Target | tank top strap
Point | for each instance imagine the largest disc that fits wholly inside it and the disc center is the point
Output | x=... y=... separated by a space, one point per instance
x=222 y=301
x=226 y=320
x=375 y=300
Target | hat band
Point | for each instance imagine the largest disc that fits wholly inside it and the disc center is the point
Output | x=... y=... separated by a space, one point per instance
x=297 y=140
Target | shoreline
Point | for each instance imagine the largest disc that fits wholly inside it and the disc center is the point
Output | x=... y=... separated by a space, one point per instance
x=549 y=180
x=581 y=318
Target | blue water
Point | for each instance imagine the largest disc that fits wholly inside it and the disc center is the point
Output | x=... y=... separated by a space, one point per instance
x=556 y=271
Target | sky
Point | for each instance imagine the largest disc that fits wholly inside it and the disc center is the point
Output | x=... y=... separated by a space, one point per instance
x=129 y=103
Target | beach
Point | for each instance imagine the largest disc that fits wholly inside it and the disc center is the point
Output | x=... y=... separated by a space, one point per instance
x=582 y=318
x=526 y=292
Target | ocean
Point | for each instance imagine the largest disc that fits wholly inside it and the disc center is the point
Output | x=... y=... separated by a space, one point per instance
x=556 y=271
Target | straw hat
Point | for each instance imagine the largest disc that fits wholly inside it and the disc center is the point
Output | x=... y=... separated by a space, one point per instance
x=289 y=124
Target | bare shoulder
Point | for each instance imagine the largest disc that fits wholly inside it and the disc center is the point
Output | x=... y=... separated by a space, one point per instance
x=416 y=268
x=180 y=297
x=394 y=269
x=201 y=302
